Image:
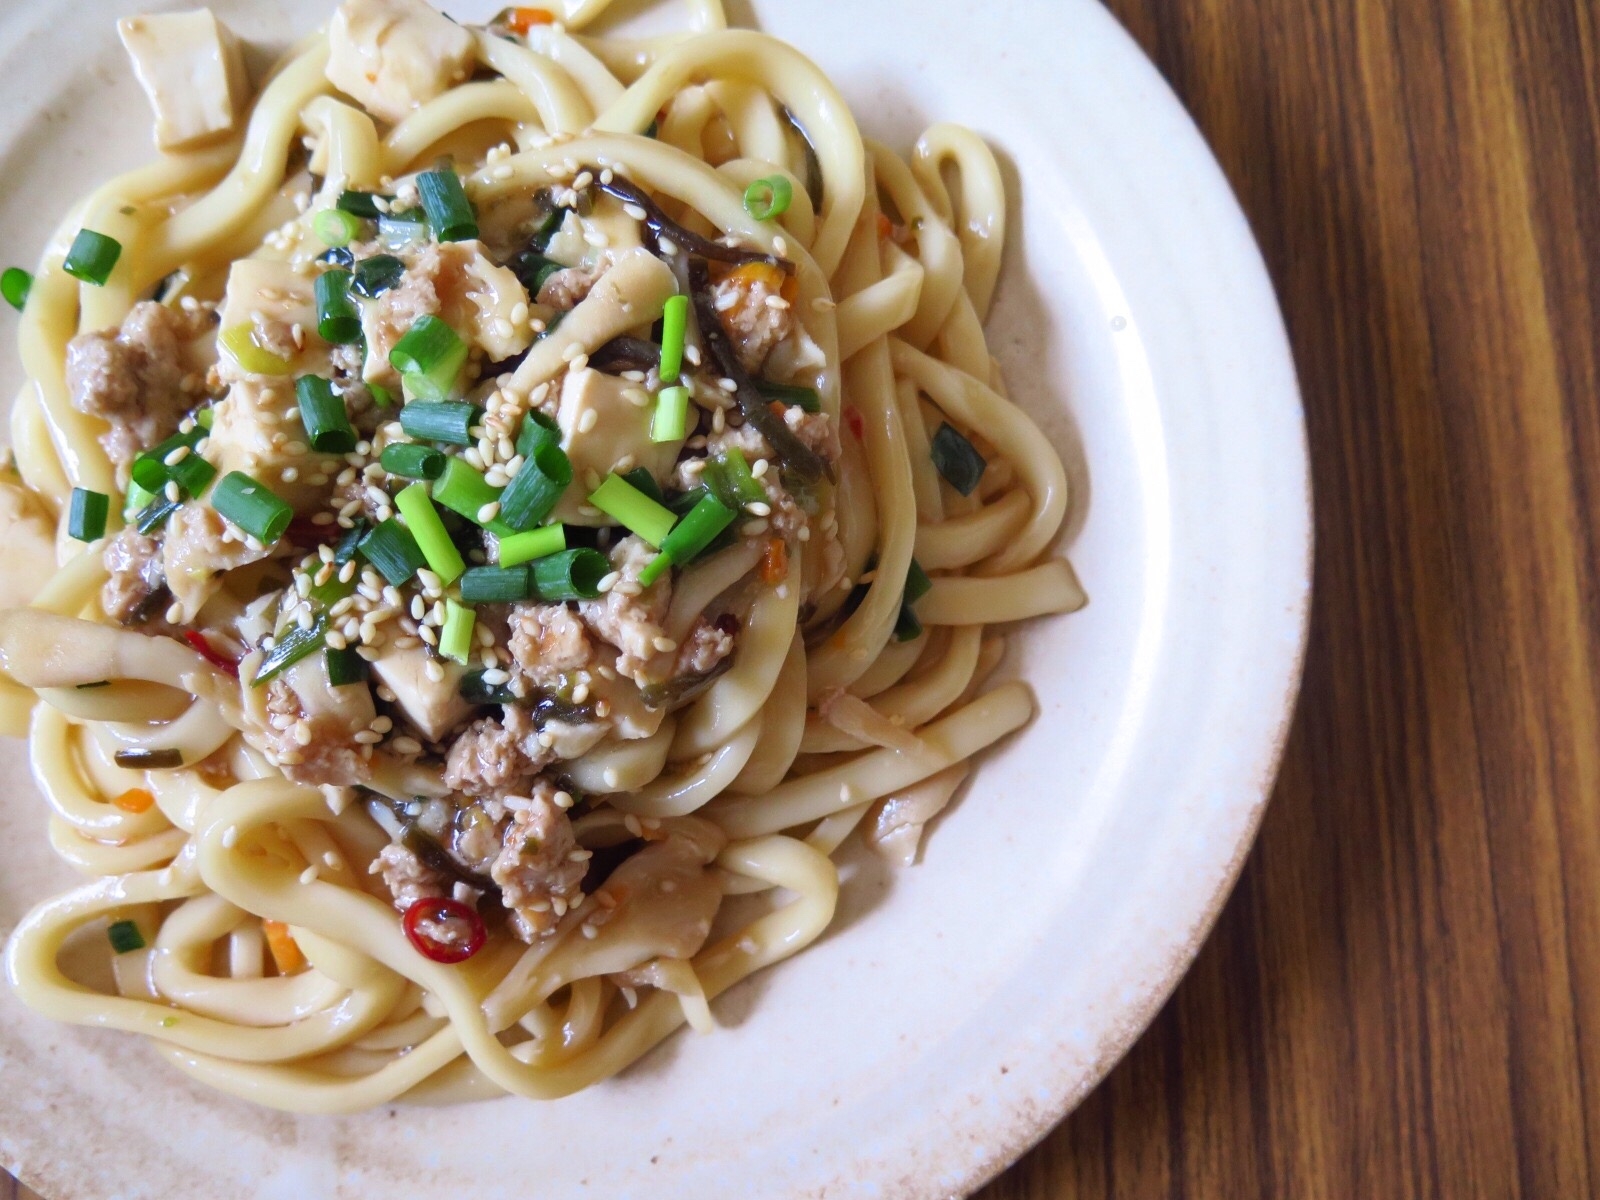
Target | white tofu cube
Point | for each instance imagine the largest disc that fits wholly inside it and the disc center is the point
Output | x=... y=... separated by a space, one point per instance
x=395 y=55
x=191 y=69
x=434 y=706
x=603 y=430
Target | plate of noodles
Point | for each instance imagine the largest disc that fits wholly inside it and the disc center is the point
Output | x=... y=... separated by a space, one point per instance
x=615 y=600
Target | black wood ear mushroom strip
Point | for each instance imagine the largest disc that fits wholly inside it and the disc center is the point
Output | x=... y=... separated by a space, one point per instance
x=662 y=226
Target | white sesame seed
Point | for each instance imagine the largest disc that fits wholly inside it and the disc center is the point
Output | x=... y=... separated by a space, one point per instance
x=405 y=745
x=780 y=246
x=177 y=455
x=171 y=492
x=588 y=421
x=230 y=837
x=434 y=672
x=366 y=737
x=489 y=511
x=758 y=508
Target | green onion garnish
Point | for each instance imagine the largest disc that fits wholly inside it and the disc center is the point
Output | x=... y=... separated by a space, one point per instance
x=289 y=649
x=350 y=542
x=338 y=319
x=652 y=129
x=86 y=519
x=429 y=357
x=570 y=575
x=536 y=428
x=548 y=227
x=380 y=395
x=671 y=419
x=907 y=628
x=376 y=275
x=792 y=394
x=326 y=595
x=464 y=491
x=124 y=936
x=518 y=548
x=689 y=537
x=92 y=257
x=455 y=639
x=397 y=229
x=360 y=204
x=345 y=667
x=206 y=417
x=532 y=269
x=151 y=470
x=768 y=198
x=537 y=487
x=251 y=506
x=240 y=341
x=497 y=585
x=628 y=506
x=957 y=459
x=674 y=324
x=410 y=461
x=323 y=414
x=645 y=482
x=336 y=228
x=439 y=420
x=422 y=519
x=393 y=551
x=745 y=485
x=155 y=514
x=917 y=582
x=449 y=211
x=15 y=284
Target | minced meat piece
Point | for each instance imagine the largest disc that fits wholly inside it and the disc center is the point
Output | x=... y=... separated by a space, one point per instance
x=548 y=643
x=630 y=615
x=496 y=758
x=536 y=869
x=138 y=583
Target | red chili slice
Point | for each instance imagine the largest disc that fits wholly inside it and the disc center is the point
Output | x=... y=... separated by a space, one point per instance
x=206 y=651
x=857 y=425
x=435 y=911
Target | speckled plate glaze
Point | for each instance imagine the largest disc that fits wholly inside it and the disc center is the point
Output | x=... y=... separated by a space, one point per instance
x=956 y=1010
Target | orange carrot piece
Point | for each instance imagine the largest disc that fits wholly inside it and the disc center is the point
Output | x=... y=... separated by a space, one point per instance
x=285 y=950
x=775 y=562
x=524 y=19
x=134 y=800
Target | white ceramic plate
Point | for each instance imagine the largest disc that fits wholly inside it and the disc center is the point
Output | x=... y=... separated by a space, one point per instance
x=958 y=1009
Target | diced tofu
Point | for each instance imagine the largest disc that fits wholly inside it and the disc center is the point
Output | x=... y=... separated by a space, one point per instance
x=435 y=707
x=278 y=305
x=395 y=55
x=602 y=431
x=192 y=72
x=252 y=431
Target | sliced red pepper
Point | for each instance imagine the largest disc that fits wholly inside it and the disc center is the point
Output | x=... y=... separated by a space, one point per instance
x=857 y=426
x=457 y=917
x=202 y=647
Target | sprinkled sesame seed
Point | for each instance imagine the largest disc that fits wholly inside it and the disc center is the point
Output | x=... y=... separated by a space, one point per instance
x=405 y=745
x=588 y=421
x=433 y=670
x=489 y=511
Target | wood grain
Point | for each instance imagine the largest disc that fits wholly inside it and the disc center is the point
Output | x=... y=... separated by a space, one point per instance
x=1402 y=998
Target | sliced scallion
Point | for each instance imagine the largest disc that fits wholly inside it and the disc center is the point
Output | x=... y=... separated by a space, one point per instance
x=674 y=326
x=957 y=459
x=381 y=396
x=92 y=257
x=411 y=461
x=497 y=585
x=792 y=394
x=645 y=482
x=240 y=341
x=155 y=514
x=533 y=269
x=917 y=582
x=124 y=937
x=536 y=429
x=689 y=537
x=323 y=415
x=86 y=519
x=252 y=506
x=374 y=276
x=464 y=491
x=535 y=543
x=745 y=485
x=338 y=319
x=151 y=471
x=422 y=520
x=345 y=667
x=393 y=551
x=907 y=628
x=768 y=198
x=448 y=421
x=671 y=420
x=336 y=228
x=362 y=204
x=450 y=214
x=628 y=506
x=570 y=575
x=294 y=644
x=15 y=284
x=455 y=639
x=429 y=357
x=537 y=487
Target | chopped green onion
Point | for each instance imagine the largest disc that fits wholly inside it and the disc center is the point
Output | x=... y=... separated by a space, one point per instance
x=410 y=461
x=251 y=506
x=768 y=198
x=917 y=582
x=15 y=284
x=671 y=420
x=429 y=357
x=536 y=429
x=149 y=760
x=463 y=491
x=475 y=691
x=535 y=543
x=155 y=514
x=86 y=519
x=138 y=496
x=455 y=639
x=336 y=228
x=124 y=937
x=745 y=485
x=792 y=394
x=295 y=643
x=957 y=459
x=150 y=470
x=393 y=551
x=674 y=326
x=92 y=257
x=381 y=395
x=626 y=504
x=570 y=575
x=449 y=211
x=338 y=319
x=537 y=487
x=345 y=667
x=376 y=275
x=326 y=595
x=323 y=415
x=497 y=585
x=350 y=542
x=907 y=628
x=206 y=417
x=422 y=519
x=689 y=537
x=549 y=227
x=652 y=129
x=439 y=421
x=641 y=478
x=532 y=269
x=361 y=204
x=240 y=341
x=400 y=229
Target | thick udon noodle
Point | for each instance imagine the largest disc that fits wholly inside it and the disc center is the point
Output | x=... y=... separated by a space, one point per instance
x=370 y=1020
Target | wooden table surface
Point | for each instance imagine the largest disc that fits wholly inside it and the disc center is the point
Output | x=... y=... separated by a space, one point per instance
x=1402 y=998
